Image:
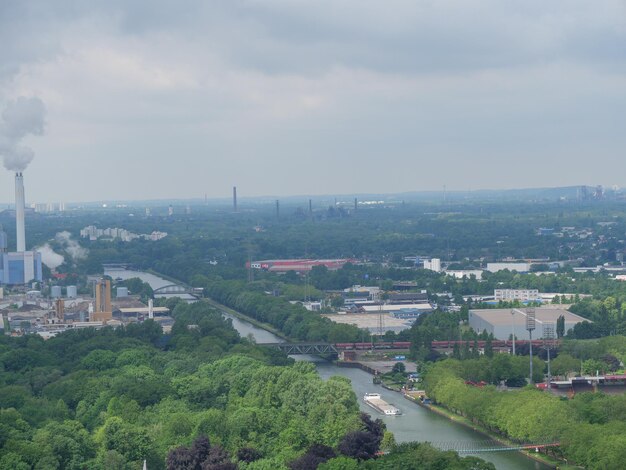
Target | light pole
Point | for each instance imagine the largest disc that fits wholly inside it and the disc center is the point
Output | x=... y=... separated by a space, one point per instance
x=548 y=337
x=530 y=326
x=513 y=329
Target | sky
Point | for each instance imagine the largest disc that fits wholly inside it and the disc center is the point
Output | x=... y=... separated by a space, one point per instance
x=163 y=99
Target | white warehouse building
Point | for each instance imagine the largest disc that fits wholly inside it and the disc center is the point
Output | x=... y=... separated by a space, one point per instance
x=519 y=267
x=502 y=323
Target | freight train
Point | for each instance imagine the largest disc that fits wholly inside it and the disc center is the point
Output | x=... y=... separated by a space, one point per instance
x=377 y=345
x=496 y=343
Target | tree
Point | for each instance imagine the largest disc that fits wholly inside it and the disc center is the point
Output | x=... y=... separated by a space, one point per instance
x=129 y=440
x=388 y=442
x=560 y=327
x=179 y=459
x=316 y=455
x=359 y=445
x=13 y=461
x=248 y=454
x=200 y=451
x=340 y=463
x=564 y=363
x=489 y=347
x=218 y=459
x=456 y=351
x=612 y=362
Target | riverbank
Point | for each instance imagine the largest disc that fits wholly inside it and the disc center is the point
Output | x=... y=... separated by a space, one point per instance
x=224 y=308
x=441 y=411
x=241 y=316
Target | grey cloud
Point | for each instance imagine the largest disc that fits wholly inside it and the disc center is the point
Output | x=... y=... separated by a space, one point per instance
x=304 y=37
x=238 y=87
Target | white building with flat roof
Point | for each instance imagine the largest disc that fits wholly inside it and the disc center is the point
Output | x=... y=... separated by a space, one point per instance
x=519 y=267
x=502 y=322
x=434 y=264
x=461 y=273
x=511 y=295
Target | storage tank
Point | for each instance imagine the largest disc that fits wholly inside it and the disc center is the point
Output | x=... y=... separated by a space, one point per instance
x=122 y=292
x=72 y=292
x=56 y=292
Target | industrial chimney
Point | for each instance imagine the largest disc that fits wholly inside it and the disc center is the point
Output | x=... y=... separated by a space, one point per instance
x=19 y=212
x=234 y=198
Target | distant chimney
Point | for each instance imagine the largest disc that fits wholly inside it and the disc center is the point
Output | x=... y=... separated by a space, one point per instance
x=19 y=212
x=234 y=198
x=277 y=209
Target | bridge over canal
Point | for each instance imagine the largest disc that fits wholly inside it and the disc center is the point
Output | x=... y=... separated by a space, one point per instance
x=174 y=289
x=473 y=447
x=335 y=348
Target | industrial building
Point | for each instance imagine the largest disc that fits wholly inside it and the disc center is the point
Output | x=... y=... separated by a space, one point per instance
x=503 y=322
x=434 y=264
x=510 y=295
x=102 y=309
x=297 y=265
x=21 y=266
x=467 y=273
x=393 y=308
x=519 y=267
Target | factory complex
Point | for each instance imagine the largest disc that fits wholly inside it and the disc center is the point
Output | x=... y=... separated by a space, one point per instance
x=32 y=313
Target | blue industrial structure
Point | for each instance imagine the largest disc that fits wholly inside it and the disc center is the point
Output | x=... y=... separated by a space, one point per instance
x=18 y=267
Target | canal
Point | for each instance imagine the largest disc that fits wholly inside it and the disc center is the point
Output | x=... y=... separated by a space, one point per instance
x=415 y=423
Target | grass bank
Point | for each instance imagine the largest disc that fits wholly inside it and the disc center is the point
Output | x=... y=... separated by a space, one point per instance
x=225 y=309
x=539 y=457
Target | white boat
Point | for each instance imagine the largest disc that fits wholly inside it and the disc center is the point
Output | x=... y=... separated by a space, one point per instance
x=375 y=401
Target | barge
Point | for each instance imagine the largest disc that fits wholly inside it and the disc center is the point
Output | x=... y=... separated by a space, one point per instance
x=375 y=401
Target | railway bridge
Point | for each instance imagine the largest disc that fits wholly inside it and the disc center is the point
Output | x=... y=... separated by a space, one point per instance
x=292 y=349
x=174 y=289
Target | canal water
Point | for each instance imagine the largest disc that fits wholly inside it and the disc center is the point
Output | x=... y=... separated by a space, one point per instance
x=415 y=423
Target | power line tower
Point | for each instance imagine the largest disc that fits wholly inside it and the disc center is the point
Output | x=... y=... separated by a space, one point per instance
x=530 y=326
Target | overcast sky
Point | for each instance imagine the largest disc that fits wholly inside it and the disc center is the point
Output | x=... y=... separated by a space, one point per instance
x=175 y=99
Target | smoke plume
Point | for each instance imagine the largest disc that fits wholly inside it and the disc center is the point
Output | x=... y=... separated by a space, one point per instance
x=62 y=243
x=20 y=118
x=49 y=257
x=71 y=247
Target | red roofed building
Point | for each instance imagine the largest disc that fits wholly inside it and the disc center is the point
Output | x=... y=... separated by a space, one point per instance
x=298 y=265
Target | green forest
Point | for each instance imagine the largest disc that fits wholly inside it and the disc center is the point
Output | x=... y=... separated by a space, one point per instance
x=201 y=397
x=591 y=428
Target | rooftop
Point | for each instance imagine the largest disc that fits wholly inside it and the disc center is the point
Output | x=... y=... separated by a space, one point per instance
x=502 y=316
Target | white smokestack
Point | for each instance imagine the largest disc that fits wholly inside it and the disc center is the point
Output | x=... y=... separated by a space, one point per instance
x=19 y=212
